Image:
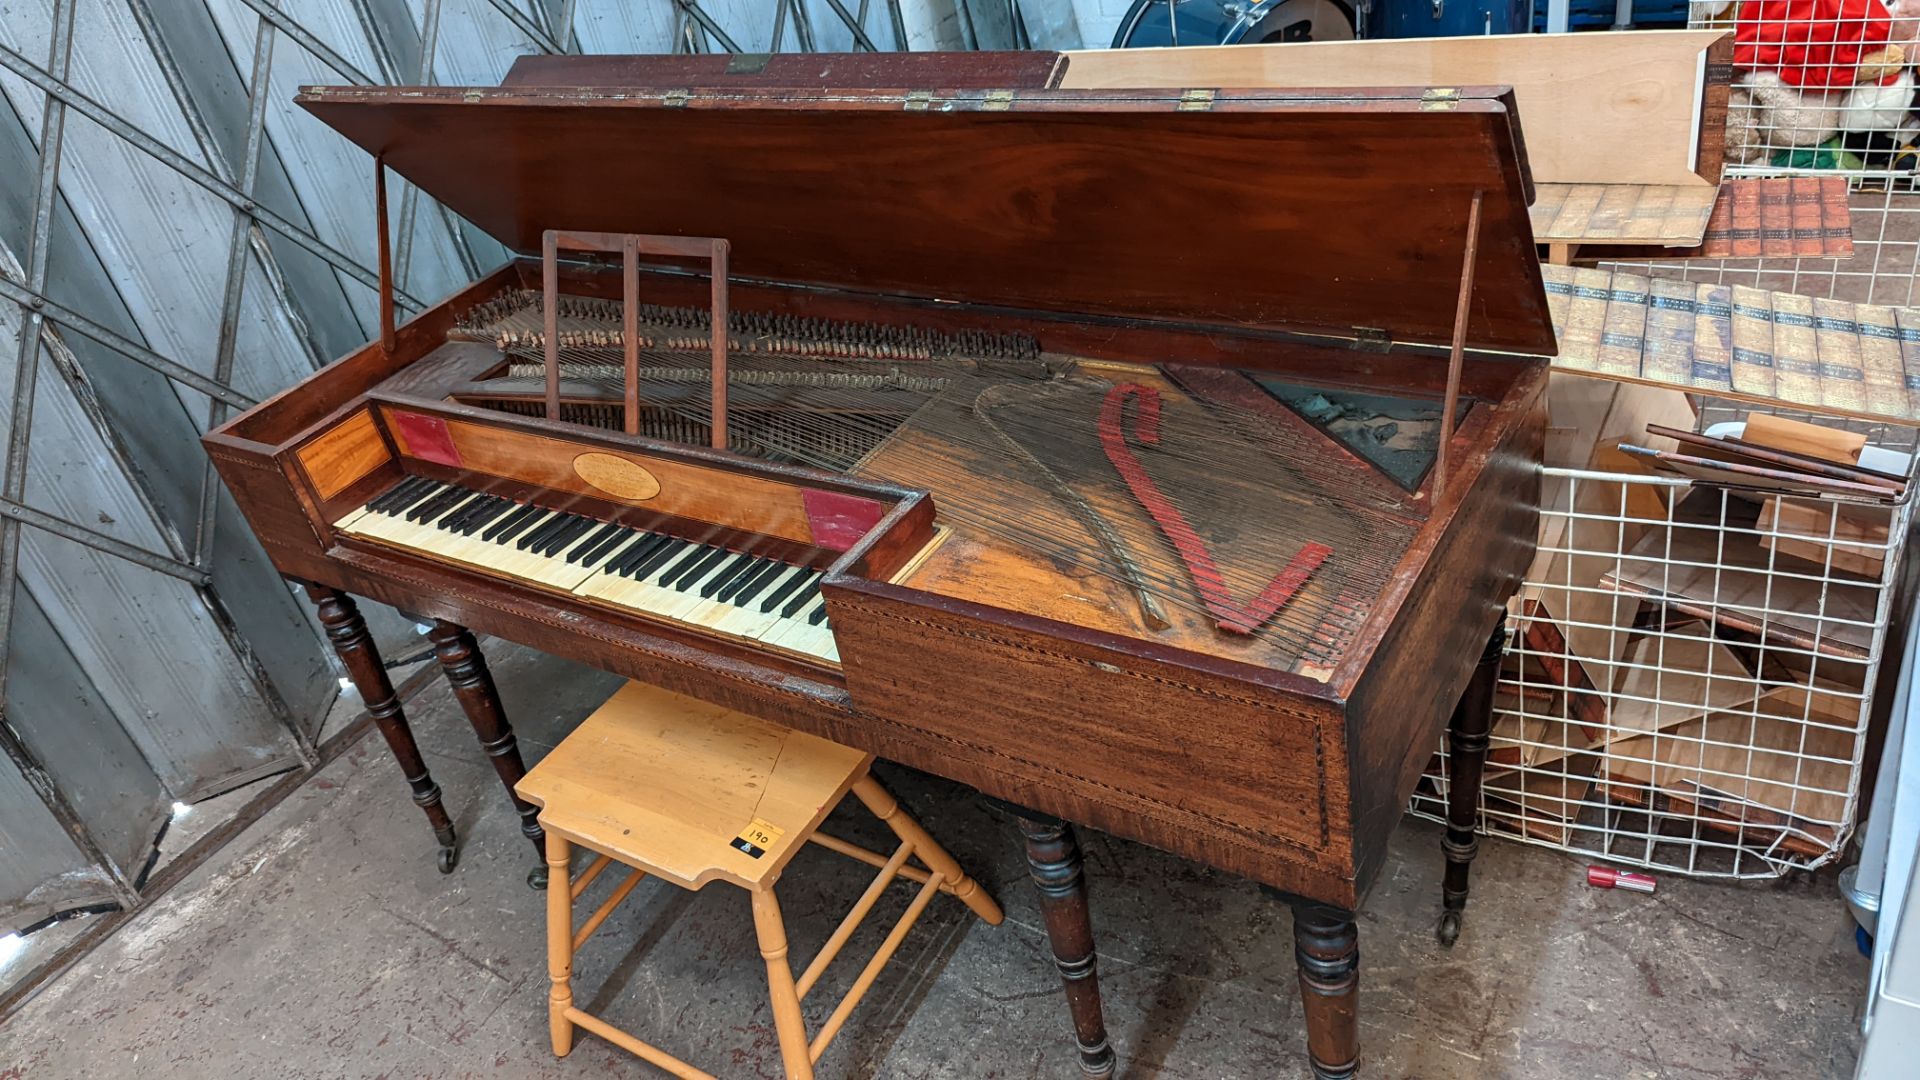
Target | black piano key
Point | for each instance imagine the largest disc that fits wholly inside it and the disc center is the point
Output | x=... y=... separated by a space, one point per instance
x=806 y=597
x=497 y=507
x=565 y=535
x=494 y=530
x=419 y=488
x=542 y=532
x=819 y=616
x=786 y=589
x=643 y=567
x=640 y=552
x=758 y=570
x=760 y=582
x=612 y=542
x=691 y=570
x=602 y=537
x=506 y=535
x=576 y=545
x=402 y=493
x=455 y=517
x=674 y=565
x=722 y=577
x=428 y=509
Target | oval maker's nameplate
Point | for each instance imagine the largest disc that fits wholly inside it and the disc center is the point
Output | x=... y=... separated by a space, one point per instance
x=616 y=476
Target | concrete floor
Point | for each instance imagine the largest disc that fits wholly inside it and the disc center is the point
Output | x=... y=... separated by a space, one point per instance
x=322 y=943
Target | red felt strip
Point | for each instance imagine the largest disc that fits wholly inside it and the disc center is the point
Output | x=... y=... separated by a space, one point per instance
x=1207 y=579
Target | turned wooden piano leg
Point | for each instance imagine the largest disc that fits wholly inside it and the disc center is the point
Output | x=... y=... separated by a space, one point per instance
x=1466 y=763
x=347 y=631
x=466 y=669
x=1326 y=947
x=1053 y=856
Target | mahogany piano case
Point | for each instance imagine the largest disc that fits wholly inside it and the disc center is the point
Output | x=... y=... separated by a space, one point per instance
x=1139 y=394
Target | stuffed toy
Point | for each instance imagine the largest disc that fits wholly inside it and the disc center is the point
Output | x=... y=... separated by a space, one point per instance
x=1813 y=71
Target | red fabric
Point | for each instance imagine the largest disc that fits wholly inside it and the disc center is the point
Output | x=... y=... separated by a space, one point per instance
x=1231 y=617
x=1815 y=44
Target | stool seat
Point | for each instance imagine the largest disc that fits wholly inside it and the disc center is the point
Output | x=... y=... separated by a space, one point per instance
x=688 y=790
x=691 y=793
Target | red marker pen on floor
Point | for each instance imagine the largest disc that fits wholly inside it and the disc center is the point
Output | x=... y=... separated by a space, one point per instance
x=1602 y=877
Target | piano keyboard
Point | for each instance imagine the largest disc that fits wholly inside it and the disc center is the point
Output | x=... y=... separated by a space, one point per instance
x=741 y=595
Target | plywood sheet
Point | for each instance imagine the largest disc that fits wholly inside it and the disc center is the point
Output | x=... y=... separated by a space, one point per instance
x=1596 y=108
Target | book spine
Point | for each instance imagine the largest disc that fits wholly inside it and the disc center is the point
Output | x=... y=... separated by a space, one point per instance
x=1776 y=217
x=1796 y=355
x=1908 y=320
x=1745 y=233
x=1804 y=205
x=1586 y=316
x=1669 y=346
x=1843 y=379
x=1713 y=337
x=1752 y=341
x=1836 y=217
x=1623 y=336
x=1886 y=375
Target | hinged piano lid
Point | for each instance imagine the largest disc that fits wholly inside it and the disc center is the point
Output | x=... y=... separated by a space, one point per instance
x=1314 y=211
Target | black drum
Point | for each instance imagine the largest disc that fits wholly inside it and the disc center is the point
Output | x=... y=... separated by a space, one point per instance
x=1233 y=22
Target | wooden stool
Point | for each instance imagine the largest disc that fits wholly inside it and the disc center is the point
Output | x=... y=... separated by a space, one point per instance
x=693 y=793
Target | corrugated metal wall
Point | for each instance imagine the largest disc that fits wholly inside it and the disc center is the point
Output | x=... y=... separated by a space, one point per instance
x=176 y=241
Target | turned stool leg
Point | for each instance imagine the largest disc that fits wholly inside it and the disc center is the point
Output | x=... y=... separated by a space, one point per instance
x=885 y=807
x=1466 y=762
x=466 y=670
x=1326 y=947
x=559 y=944
x=787 y=1020
x=1053 y=857
x=347 y=631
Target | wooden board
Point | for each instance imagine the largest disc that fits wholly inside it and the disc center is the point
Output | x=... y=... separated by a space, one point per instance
x=338 y=457
x=1831 y=358
x=991 y=70
x=1598 y=108
x=1068 y=201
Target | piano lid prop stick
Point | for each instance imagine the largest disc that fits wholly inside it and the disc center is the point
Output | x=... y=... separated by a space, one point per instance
x=1212 y=585
x=630 y=328
x=1457 y=355
x=387 y=335
x=550 y=313
x=719 y=333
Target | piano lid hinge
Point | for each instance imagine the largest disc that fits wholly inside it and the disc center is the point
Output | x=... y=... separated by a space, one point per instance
x=1195 y=101
x=1440 y=99
x=1371 y=339
x=918 y=101
x=676 y=98
x=997 y=101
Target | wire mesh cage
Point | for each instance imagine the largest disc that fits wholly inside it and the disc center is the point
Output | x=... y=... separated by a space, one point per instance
x=1689 y=675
